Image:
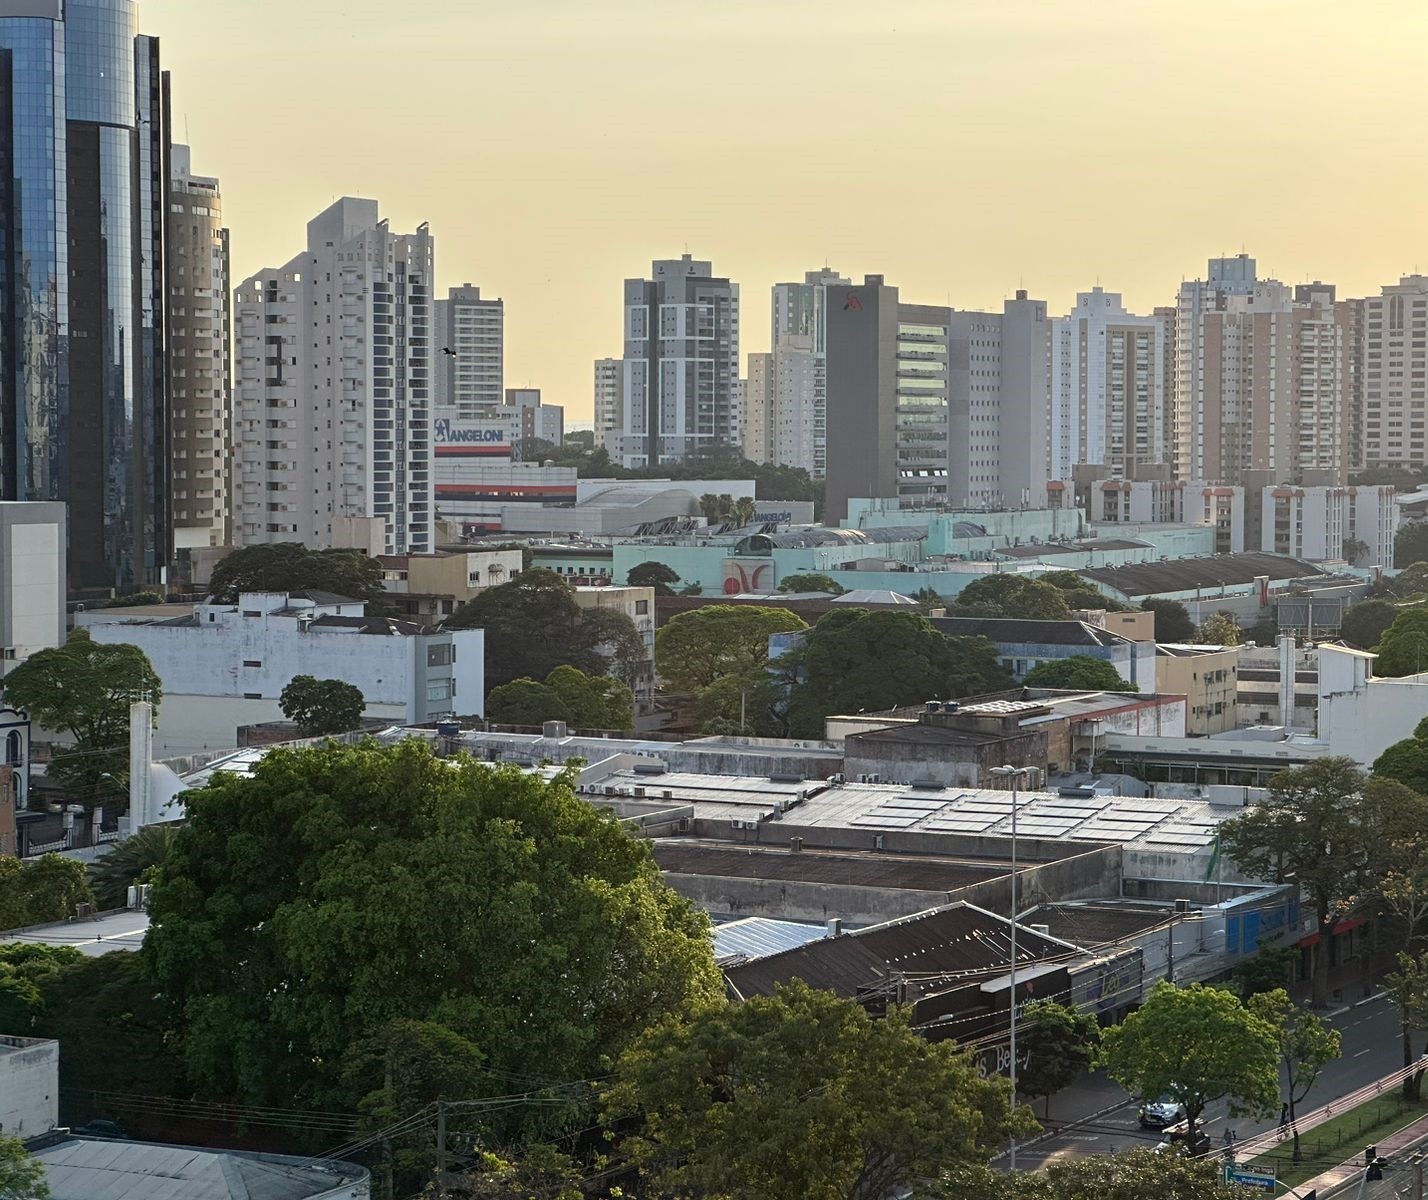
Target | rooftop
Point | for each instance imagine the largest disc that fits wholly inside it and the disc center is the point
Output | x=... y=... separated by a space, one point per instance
x=1045 y=633
x=120 y=930
x=855 y=868
x=101 y=1169
x=757 y=937
x=1187 y=574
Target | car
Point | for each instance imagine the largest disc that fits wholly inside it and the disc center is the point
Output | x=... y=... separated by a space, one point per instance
x=1158 y=1114
x=99 y=1129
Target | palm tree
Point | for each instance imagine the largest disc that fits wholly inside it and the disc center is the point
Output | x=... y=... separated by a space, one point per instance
x=112 y=873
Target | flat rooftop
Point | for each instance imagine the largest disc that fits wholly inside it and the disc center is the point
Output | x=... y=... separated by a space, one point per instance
x=856 y=868
x=122 y=930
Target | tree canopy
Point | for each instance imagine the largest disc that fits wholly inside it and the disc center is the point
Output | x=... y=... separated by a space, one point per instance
x=38 y=890
x=1410 y=544
x=655 y=575
x=1403 y=646
x=1129 y=1175
x=22 y=1177
x=1195 y=1044
x=696 y=648
x=1219 y=629
x=1306 y=1045
x=802 y=1094
x=1365 y=623
x=1019 y=596
x=1338 y=833
x=534 y=624
x=134 y=860
x=340 y=888
x=322 y=706
x=1406 y=761
x=857 y=659
x=580 y=700
x=1078 y=671
x=1172 y=620
x=292 y=567
x=84 y=688
x=1060 y=1043
x=811 y=581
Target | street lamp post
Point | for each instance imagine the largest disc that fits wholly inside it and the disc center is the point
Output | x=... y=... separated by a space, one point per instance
x=1012 y=773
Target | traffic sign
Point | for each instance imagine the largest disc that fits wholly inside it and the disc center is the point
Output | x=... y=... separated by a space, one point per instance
x=1260 y=1180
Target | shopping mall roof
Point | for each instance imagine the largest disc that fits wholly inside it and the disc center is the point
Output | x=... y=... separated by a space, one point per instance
x=1188 y=574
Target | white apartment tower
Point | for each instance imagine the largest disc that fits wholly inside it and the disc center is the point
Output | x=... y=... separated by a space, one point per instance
x=333 y=404
x=609 y=376
x=679 y=388
x=1394 y=387
x=798 y=373
x=1107 y=387
x=468 y=353
x=200 y=327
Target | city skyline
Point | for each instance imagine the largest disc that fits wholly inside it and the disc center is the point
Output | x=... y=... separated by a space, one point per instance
x=1044 y=118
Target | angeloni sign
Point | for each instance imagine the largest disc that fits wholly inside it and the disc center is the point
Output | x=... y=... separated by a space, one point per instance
x=444 y=430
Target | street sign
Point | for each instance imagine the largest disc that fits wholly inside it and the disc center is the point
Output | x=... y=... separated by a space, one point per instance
x=1259 y=1180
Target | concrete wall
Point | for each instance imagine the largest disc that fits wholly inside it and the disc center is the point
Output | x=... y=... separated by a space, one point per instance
x=952 y=765
x=792 y=900
x=29 y=1086
x=193 y=724
x=32 y=580
x=1363 y=723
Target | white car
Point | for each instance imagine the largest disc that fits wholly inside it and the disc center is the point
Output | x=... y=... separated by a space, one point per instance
x=1160 y=1114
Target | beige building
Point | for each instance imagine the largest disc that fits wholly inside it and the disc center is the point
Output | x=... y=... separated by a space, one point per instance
x=200 y=380
x=758 y=418
x=1208 y=678
x=637 y=603
x=1394 y=385
x=430 y=587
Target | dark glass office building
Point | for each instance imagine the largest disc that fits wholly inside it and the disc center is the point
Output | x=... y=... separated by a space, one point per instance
x=84 y=136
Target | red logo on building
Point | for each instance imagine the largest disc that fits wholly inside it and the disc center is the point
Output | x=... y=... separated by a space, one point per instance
x=852 y=302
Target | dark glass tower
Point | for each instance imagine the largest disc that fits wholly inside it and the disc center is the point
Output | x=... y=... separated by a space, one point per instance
x=84 y=135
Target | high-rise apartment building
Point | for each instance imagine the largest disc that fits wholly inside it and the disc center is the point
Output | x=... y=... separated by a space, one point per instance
x=758 y=426
x=798 y=382
x=468 y=353
x=679 y=389
x=538 y=422
x=862 y=406
x=83 y=194
x=609 y=384
x=1265 y=378
x=332 y=416
x=1107 y=387
x=1394 y=381
x=200 y=329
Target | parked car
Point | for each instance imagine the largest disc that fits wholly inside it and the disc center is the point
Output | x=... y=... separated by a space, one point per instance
x=100 y=1129
x=1158 y=1114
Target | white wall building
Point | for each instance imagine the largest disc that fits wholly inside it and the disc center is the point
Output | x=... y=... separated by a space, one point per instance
x=333 y=391
x=1395 y=362
x=32 y=579
x=1323 y=523
x=1107 y=387
x=226 y=665
x=1361 y=716
x=799 y=380
x=29 y=1085
x=609 y=386
x=468 y=352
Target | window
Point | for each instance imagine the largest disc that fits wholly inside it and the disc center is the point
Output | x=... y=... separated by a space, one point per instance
x=252 y=662
x=642 y=607
x=438 y=689
x=252 y=695
x=251 y=612
x=438 y=656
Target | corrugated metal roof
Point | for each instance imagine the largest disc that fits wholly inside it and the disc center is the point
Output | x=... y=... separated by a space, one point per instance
x=757 y=937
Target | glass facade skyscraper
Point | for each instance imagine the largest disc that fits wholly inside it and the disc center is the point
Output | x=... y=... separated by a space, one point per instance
x=84 y=135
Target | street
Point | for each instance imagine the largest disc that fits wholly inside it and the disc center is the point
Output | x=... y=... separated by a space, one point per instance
x=1371 y=1048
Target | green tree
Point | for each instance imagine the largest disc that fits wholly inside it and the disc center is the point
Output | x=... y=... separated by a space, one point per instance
x=1365 y=623
x=322 y=706
x=1172 y=620
x=21 y=1176
x=811 y=581
x=1082 y=593
x=534 y=624
x=1410 y=544
x=1403 y=648
x=340 y=888
x=1409 y=583
x=1407 y=987
x=292 y=567
x=85 y=689
x=1306 y=1046
x=802 y=1094
x=858 y=660
x=134 y=860
x=1335 y=832
x=1019 y=596
x=1271 y=968
x=697 y=647
x=1196 y=1045
x=1078 y=671
x=1131 y=1175
x=134 y=599
x=37 y=891
x=525 y=702
x=1219 y=629
x=593 y=702
x=1405 y=761
x=26 y=970
x=1060 y=1043
x=655 y=575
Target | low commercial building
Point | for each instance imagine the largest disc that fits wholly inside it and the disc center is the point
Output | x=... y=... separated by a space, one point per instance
x=428 y=588
x=1022 y=646
x=225 y=665
x=29 y=1085
x=32 y=579
x=1361 y=715
x=1208 y=678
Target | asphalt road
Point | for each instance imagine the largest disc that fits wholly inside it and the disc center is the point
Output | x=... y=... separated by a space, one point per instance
x=1371 y=1049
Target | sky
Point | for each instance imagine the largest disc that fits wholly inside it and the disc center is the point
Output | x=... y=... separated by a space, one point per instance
x=961 y=148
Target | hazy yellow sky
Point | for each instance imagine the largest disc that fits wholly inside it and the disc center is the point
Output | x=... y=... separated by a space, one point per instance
x=963 y=148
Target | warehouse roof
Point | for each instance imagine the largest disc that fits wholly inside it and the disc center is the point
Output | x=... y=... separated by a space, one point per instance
x=1187 y=574
x=1045 y=633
